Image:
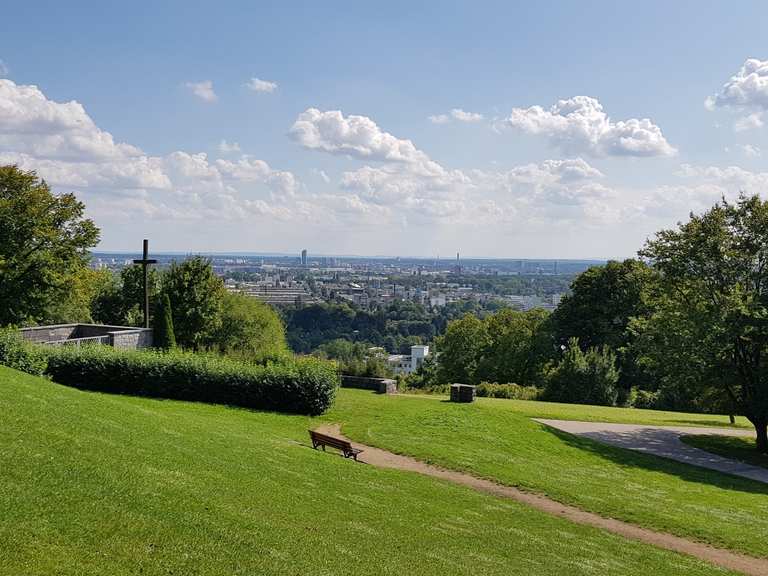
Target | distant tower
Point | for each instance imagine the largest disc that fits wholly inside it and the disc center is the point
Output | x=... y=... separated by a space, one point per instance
x=304 y=257
x=555 y=266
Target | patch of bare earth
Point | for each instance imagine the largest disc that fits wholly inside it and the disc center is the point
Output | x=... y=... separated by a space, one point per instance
x=718 y=556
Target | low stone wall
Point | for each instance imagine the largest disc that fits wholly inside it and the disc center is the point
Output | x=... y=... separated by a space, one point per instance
x=380 y=385
x=126 y=337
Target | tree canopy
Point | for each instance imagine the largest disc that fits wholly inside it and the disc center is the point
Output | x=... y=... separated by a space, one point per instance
x=710 y=326
x=44 y=241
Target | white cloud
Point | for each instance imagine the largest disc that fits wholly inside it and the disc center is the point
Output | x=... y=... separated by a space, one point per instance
x=203 y=90
x=263 y=86
x=456 y=114
x=749 y=122
x=751 y=151
x=65 y=146
x=356 y=136
x=225 y=147
x=579 y=125
x=747 y=89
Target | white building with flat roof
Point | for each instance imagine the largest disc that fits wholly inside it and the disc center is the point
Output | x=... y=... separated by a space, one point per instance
x=407 y=364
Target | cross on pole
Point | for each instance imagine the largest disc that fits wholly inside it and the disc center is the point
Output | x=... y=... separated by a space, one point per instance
x=145 y=262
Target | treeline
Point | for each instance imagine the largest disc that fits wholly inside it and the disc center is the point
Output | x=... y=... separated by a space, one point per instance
x=395 y=327
x=684 y=328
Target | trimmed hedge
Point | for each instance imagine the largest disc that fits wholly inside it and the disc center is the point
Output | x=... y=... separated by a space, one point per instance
x=302 y=386
x=20 y=355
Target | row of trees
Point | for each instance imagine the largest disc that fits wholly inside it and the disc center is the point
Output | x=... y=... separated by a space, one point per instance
x=685 y=327
x=45 y=242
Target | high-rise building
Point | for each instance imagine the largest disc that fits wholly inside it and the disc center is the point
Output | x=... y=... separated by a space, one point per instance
x=304 y=257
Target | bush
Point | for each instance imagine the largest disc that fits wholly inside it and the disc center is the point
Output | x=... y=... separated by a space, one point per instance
x=164 y=336
x=304 y=385
x=508 y=391
x=18 y=354
x=584 y=377
x=644 y=399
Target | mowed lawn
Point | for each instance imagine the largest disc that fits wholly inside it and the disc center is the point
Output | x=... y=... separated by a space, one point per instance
x=496 y=439
x=98 y=484
x=741 y=449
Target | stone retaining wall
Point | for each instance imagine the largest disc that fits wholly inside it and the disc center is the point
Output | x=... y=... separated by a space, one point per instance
x=380 y=385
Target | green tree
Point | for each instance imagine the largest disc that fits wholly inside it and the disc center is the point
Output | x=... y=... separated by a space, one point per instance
x=519 y=343
x=196 y=295
x=132 y=293
x=461 y=350
x=84 y=290
x=250 y=329
x=711 y=323
x=584 y=377
x=598 y=311
x=164 y=336
x=44 y=240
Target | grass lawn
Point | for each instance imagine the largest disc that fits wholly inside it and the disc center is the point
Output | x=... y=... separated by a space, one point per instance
x=98 y=484
x=742 y=449
x=496 y=439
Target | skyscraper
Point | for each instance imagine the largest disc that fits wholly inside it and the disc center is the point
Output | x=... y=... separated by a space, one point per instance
x=304 y=257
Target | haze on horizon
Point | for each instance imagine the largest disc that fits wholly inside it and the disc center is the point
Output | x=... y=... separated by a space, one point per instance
x=497 y=129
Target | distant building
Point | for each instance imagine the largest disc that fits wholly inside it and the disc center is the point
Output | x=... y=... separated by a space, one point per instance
x=407 y=364
x=304 y=257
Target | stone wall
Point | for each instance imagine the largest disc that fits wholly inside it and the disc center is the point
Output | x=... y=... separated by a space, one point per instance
x=125 y=337
x=380 y=385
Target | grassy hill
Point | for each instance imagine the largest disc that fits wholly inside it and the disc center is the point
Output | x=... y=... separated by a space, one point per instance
x=99 y=484
x=497 y=439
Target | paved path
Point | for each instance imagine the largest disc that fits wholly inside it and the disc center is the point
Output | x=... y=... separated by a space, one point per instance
x=663 y=441
x=718 y=556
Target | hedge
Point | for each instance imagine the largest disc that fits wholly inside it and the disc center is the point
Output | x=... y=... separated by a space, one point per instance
x=20 y=355
x=301 y=386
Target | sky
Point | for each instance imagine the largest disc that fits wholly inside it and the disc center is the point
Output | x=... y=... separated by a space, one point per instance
x=495 y=129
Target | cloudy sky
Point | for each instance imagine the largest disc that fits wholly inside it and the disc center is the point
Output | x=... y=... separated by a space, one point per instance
x=508 y=129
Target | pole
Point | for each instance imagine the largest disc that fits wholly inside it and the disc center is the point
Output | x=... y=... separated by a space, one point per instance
x=145 y=257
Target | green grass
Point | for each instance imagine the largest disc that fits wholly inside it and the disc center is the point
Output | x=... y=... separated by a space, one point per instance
x=92 y=483
x=741 y=449
x=559 y=411
x=496 y=439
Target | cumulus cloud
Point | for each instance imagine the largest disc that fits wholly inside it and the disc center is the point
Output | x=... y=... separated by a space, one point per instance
x=749 y=122
x=456 y=114
x=225 y=147
x=356 y=136
x=579 y=125
x=65 y=146
x=262 y=86
x=203 y=90
x=747 y=89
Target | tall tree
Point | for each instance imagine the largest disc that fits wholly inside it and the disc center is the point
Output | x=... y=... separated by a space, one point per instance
x=44 y=240
x=250 y=329
x=711 y=325
x=164 y=335
x=461 y=349
x=598 y=311
x=196 y=296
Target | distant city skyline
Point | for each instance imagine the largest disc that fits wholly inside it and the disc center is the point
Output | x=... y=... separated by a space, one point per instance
x=553 y=130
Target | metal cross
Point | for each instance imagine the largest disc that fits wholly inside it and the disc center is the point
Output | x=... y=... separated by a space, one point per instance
x=145 y=262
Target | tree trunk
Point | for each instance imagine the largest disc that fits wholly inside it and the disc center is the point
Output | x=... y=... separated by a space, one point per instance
x=761 y=427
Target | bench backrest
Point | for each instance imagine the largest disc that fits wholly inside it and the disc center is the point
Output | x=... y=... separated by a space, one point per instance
x=330 y=441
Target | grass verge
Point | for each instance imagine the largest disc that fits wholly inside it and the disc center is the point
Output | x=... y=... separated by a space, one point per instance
x=741 y=449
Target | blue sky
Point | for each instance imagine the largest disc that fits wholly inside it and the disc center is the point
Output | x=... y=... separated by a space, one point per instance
x=350 y=145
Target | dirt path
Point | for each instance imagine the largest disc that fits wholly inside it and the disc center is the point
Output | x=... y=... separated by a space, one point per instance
x=663 y=441
x=724 y=558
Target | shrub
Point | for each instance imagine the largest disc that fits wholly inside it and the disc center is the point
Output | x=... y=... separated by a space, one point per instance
x=164 y=335
x=508 y=391
x=644 y=399
x=304 y=385
x=18 y=354
x=584 y=377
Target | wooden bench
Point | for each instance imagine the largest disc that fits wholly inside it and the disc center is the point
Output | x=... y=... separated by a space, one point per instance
x=325 y=440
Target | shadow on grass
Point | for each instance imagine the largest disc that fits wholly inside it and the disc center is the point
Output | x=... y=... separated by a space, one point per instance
x=631 y=458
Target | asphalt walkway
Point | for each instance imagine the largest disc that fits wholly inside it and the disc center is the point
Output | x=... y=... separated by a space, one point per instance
x=663 y=441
